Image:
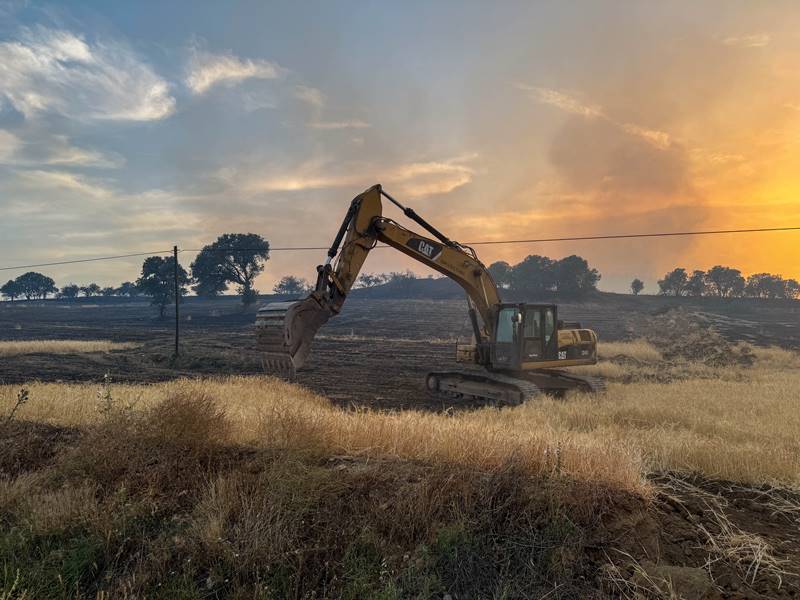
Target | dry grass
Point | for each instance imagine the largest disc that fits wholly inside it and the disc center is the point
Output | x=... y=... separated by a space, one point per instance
x=640 y=350
x=741 y=425
x=61 y=347
x=392 y=340
x=266 y=412
x=632 y=581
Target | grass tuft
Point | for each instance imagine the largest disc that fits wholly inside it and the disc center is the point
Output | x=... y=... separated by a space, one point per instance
x=14 y=348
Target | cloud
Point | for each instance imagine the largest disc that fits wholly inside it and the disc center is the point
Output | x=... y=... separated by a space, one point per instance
x=352 y=124
x=598 y=155
x=660 y=139
x=208 y=70
x=56 y=71
x=572 y=105
x=45 y=149
x=9 y=143
x=432 y=177
x=561 y=100
x=62 y=181
x=257 y=101
x=413 y=179
x=310 y=95
x=753 y=40
x=316 y=100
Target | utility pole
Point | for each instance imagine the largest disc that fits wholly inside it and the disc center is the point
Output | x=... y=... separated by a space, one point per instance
x=177 y=299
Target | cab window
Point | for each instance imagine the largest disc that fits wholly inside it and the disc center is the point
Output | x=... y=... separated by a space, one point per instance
x=532 y=347
x=532 y=324
x=506 y=323
x=549 y=325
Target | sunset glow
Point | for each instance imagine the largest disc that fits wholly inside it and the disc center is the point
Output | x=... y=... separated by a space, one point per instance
x=120 y=134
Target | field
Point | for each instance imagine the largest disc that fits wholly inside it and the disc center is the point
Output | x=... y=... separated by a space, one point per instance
x=375 y=354
x=126 y=473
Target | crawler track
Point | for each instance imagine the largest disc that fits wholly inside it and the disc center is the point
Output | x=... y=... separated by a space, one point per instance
x=502 y=389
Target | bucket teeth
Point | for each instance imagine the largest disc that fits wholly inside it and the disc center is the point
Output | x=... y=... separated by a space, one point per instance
x=279 y=365
x=284 y=332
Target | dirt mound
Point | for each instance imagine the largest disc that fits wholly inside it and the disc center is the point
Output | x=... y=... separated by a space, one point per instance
x=683 y=335
x=706 y=539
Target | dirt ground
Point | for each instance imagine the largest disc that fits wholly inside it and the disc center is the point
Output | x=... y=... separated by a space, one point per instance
x=376 y=353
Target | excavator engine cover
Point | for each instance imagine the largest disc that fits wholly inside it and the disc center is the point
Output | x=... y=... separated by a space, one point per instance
x=285 y=330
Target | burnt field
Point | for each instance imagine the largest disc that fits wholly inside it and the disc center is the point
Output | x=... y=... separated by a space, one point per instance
x=376 y=353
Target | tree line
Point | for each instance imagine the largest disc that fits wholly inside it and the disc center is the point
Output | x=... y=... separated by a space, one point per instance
x=536 y=274
x=291 y=285
x=234 y=259
x=727 y=282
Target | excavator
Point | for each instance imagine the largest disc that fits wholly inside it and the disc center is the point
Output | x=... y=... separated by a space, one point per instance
x=523 y=347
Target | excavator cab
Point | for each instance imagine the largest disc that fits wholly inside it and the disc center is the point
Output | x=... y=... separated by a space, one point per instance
x=524 y=333
x=530 y=336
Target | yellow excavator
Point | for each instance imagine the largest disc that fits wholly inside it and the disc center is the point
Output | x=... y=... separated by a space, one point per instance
x=522 y=346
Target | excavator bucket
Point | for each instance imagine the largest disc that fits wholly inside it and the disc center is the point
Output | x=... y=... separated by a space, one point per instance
x=284 y=332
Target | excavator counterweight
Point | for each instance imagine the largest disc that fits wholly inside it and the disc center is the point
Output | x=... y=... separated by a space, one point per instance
x=522 y=346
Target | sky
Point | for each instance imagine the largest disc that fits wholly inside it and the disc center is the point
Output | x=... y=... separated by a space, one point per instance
x=130 y=127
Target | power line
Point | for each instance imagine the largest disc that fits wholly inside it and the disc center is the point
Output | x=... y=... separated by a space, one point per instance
x=542 y=240
x=635 y=235
x=84 y=260
x=479 y=243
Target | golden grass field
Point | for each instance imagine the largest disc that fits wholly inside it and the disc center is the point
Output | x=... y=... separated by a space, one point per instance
x=734 y=423
x=13 y=348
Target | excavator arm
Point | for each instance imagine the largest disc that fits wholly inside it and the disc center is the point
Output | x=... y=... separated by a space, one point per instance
x=285 y=330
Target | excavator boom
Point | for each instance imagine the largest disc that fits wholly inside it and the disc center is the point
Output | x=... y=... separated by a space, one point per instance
x=285 y=330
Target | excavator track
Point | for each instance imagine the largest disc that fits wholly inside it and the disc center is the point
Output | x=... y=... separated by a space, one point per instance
x=506 y=390
x=494 y=388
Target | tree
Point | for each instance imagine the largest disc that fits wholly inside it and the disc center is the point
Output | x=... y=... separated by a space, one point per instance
x=766 y=285
x=235 y=258
x=90 y=290
x=725 y=282
x=128 y=288
x=292 y=286
x=637 y=285
x=35 y=285
x=208 y=275
x=793 y=289
x=501 y=273
x=572 y=275
x=107 y=292
x=11 y=290
x=674 y=283
x=399 y=277
x=697 y=285
x=70 y=291
x=533 y=274
x=157 y=281
x=367 y=280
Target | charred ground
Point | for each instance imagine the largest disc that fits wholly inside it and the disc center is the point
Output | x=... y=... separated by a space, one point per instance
x=375 y=354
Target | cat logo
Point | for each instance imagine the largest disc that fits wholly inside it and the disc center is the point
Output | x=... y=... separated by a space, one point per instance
x=427 y=248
